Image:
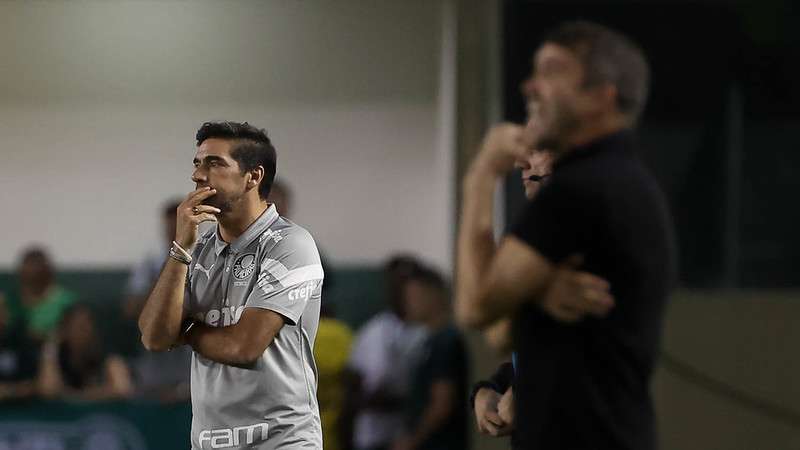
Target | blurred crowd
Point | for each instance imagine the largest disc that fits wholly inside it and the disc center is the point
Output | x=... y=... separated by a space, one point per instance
x=399 y=382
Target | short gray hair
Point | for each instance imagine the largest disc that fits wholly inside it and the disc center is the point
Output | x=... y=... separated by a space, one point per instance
x=608 y=57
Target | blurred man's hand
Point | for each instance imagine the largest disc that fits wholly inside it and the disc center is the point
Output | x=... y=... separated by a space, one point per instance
x=573 y=294
x=503 y=147
x=505 y=408
x=487 y=416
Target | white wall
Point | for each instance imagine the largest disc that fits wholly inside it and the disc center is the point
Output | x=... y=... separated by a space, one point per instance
x=99 y=102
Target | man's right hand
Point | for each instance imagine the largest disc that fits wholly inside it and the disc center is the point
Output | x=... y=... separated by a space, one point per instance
x=573 y=294
x=487 y=416
x=191 y=213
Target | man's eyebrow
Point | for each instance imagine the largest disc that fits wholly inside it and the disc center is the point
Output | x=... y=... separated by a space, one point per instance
x=209 y=158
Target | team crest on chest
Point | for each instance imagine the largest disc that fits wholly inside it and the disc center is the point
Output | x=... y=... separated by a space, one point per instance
x=244 y=266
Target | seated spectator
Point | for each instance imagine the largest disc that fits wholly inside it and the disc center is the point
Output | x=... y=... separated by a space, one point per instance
x=74 y=366
x=40 y=301
x=18 y=359
x=436 y=417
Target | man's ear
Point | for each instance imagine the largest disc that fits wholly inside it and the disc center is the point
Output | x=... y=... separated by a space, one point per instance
x=256 y=175
x=607 y=96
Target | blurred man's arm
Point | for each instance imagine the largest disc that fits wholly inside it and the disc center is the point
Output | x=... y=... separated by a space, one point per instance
x=479 y=274
x=493 y=281
x=516 y=274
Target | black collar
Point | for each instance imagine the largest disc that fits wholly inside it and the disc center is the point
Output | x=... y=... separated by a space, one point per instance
x=618 y=141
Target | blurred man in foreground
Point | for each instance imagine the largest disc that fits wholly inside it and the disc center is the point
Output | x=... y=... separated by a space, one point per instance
x=582 y=370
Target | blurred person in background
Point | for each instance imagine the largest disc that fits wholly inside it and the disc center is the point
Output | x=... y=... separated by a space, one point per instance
x=582 y=372
x=436 y=412
x=75 y=366
x=18 y=358
x=333 y=342
x=383 y=353
x=39 y=301
x=145 y=274
x=163 y=377
x=331 y=352
x=281 y=196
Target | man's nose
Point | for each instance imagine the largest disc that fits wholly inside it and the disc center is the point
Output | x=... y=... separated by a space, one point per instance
x=528 y=88
x=198 y=176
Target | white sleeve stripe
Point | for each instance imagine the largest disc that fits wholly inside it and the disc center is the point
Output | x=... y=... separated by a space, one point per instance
x=302 y=274
x=275 y=268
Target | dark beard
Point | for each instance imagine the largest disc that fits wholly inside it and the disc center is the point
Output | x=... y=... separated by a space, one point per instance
x=224 y=203
x=557 y=135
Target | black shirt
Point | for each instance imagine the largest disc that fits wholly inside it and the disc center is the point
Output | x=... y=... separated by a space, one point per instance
x=444 y=358
x=586 y=385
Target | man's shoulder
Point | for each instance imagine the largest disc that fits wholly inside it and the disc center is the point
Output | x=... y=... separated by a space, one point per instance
x=286 y=247
x=284 y=233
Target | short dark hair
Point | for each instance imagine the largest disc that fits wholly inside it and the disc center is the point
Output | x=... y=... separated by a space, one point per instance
x=252 y=148
x=608 y=57
x=37 y=254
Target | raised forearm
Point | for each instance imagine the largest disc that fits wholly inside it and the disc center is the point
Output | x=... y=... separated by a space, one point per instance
x=160 y=320
x=476 y=244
